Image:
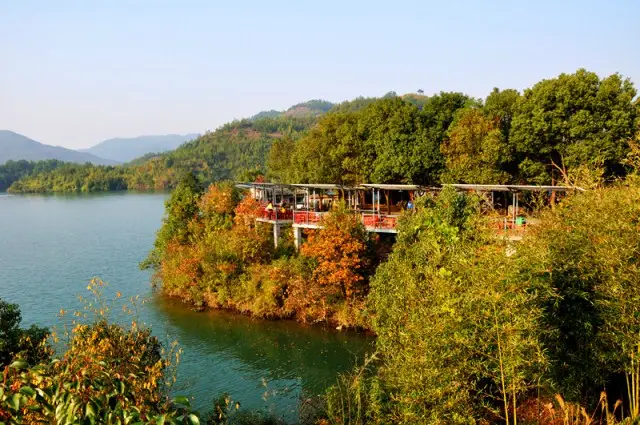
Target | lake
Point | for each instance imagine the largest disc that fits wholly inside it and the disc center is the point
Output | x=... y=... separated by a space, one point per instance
x=52 y=246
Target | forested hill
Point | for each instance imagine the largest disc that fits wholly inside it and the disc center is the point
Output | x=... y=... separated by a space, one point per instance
x=237 y=150
x=123 y=149
x=311 y=108
x=573 y=126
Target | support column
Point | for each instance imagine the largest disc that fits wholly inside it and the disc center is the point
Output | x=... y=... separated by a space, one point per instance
x=297 y=237
x=276 y=234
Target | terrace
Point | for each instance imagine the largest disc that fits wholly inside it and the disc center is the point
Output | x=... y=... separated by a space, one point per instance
x=379 y=206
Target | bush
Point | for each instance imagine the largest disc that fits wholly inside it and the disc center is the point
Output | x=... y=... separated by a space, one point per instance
x=587 y=251
x=458 y=332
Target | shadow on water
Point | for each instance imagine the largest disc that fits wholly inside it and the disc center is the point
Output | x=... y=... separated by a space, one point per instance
x=263 y=364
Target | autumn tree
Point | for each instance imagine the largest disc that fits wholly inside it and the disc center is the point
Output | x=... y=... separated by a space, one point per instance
x=340 y=257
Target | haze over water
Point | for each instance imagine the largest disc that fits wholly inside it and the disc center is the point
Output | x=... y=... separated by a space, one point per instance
x=51 y=246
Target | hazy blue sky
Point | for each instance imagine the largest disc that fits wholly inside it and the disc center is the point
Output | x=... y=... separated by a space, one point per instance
x=73 y=73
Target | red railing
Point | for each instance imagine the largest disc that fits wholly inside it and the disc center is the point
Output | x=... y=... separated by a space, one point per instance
x=307 y=217
x=380 y=221
x=276 y=215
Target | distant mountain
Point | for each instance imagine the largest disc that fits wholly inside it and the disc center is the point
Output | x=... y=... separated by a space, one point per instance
x=127 y=149
x=310 y=108
x=16 y=146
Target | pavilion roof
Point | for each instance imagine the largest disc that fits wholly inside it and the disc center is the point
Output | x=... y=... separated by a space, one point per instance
x=324 y=186
x=512 y=187
x=396 y=186
x=412 y=187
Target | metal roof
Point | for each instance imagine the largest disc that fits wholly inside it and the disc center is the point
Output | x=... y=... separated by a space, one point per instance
x=512 y=187
x=326 y=186
x=414 y=187
x=393 y=186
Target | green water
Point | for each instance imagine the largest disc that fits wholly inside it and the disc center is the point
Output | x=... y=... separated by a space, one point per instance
x=51 y=246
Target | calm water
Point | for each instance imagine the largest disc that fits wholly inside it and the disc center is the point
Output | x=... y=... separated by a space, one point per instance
x=51 y=246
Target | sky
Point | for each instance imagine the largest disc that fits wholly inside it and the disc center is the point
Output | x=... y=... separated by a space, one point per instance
x=74 y=73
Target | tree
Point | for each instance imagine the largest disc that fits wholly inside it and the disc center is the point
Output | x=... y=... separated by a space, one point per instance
x=279 y=164
x=332 y=152
x=437 y=114
x=571 y=120
x=475 y=150
x=29 y=343
x=340 y=256
x=181 y=208
x=586 y=251
x=500 y=105
x=458 y=332
x=392 y=131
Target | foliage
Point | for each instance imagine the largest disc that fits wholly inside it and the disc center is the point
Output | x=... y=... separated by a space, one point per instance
x=457 y=331
x=587 y=251
x=571 y=120
x=386 y=140
x=217 y=256
x=358 y=397
x=340 y=255
x=107 y=375
x=227 y=153
x=181 y=207
x=12 y=171
x=558 y=125
x=30 y=344
x=475 y=151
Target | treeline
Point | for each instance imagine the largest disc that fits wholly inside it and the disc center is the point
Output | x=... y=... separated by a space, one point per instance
x=565 y=123
x=12 y=171
x=237 y=150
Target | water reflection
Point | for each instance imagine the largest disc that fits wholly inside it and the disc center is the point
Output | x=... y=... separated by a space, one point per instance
x=264 y=364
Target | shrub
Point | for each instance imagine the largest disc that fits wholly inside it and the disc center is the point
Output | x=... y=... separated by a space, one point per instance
x=458 y=332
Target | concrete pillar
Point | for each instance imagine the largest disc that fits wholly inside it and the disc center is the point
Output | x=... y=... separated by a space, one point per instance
x=297 y=237
x=276 y=234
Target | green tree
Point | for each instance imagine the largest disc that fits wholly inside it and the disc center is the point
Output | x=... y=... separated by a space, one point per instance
x=586 y=250
x=500 y=105
x=279 y=162
x=571 y=120
x=181 y=208
x=29 y=343
x=476 y=150
x=332 y=152
x=393 y=133
x=458 y=332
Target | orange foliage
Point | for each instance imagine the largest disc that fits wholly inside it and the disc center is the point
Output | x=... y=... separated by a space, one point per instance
x=340 y=251
x=181 y=267
x=247 y=211
x=218 y=199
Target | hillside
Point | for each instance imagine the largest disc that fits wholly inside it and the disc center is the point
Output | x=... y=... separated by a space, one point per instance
x=14 y=146
x=309 y=108
x=237 y=150
x=124 y=149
